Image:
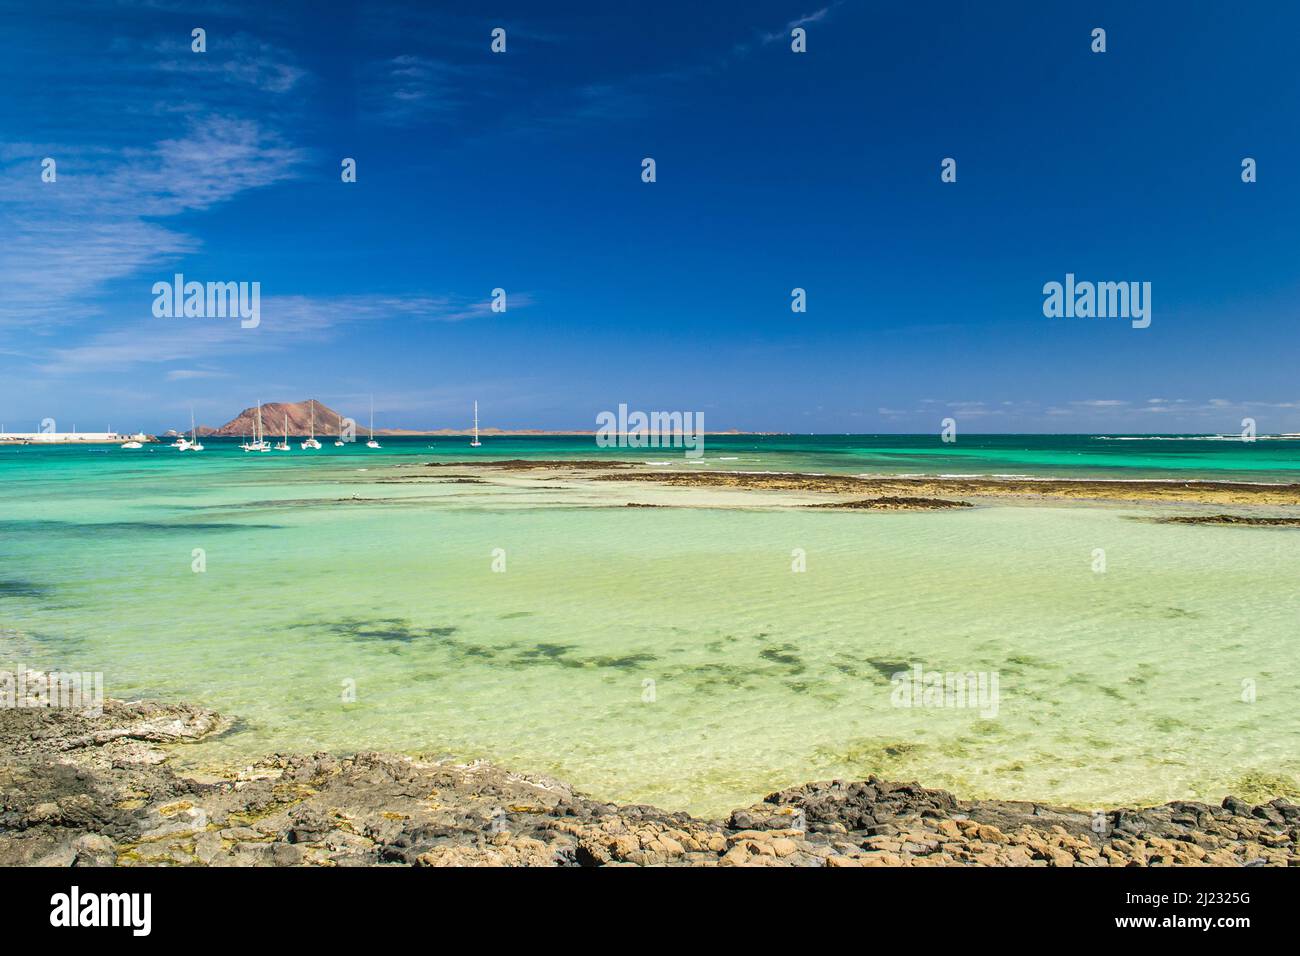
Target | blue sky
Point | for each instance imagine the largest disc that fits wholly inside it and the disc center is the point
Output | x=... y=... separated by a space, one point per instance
x=775 y=170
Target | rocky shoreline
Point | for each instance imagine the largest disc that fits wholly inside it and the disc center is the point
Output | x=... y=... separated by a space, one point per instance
x=844 y=492
x=894 y=503
x=1250 y=521
x=912 y=493
x=79 y=790
x=1204 y=492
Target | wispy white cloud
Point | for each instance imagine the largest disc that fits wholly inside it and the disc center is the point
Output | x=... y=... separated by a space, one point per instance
x=189 y=374
x=107 y=215
x=446 y=84
x=287 y=322
x=411 y=88
x=299 y=315
x=67 y=239
x=237 y=58
x=815 y=17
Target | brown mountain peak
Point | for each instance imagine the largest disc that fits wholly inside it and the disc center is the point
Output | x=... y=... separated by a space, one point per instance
x=274 y=415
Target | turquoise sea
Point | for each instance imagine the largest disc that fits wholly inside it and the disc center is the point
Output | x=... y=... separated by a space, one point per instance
x=671 y=655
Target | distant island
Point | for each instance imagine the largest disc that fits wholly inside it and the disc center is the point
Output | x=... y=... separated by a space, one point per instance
x=298 y=415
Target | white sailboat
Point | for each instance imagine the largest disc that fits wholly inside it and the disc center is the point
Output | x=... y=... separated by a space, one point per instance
x=284 y=445
x=194 y=443
x=372 y=443
x=475 y=443
x=247 y=445
x=312 y=442
x=258 y=443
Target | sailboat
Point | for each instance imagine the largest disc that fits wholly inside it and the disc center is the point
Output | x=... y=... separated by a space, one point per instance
x=194 y=443
x=284 y=445
x=312 y=442
x=259 y=442
x=475 y=443
x=372 y=443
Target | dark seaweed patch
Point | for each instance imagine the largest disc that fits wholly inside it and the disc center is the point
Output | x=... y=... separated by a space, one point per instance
x=629 y=660
x=1025 y=660
x=18 y=588
x=383 y=629
x=888 y=669
x=1143 y=676
x=549 y=651
x=559 y=654
x=785 y=656
x=713 y=677
x=868 y=753
x=1166 y=613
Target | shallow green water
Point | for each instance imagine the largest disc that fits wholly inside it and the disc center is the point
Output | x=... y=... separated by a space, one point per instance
x=1122 y=686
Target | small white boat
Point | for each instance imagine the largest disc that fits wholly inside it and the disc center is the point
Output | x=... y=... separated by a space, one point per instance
x=372 y=443
x=248 y=445
x=284 y=445
x=312 y=442
x=194 y=444
x=132 y=444
x=258 y=443
x=475 y=443
x=182 y=443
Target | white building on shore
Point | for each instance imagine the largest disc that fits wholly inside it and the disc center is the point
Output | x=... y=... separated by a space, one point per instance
x=68 y=438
